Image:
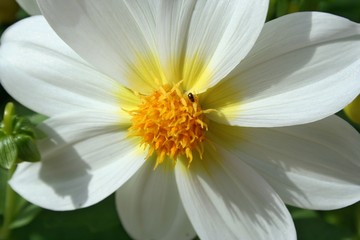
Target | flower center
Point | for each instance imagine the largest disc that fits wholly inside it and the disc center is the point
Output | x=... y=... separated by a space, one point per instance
x=171 y=124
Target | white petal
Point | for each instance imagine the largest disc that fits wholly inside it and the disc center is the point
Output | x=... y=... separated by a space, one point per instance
x=109 y=34
x=44 y=74
x=221 y=33
x=312 y=166
x=73 y=127
x=30 y=6
x=82 y=165
x=225 y=199
x=145 y=40
x=172 y=26
x=301 y=69
x=149 y=205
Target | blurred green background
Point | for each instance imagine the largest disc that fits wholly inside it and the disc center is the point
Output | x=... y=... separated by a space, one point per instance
x=101 y=221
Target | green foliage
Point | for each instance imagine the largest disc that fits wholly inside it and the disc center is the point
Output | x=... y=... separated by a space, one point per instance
x=8 y=151
x=4 y=175
x=347 y=8
x=27 y=150
x=26 y=212
x=17 y=139
x=326 y=225
x=17 y=143
x=97 y=222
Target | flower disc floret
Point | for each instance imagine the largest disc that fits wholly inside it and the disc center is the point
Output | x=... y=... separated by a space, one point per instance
x=170 y=124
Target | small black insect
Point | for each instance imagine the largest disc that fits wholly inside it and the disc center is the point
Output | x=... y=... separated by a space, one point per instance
x=191 y=97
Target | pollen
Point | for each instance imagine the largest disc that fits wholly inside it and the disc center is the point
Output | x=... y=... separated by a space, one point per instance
x=170 y=123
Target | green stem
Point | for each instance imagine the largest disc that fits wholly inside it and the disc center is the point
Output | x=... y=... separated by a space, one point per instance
x=9 y=209
x=8 y=115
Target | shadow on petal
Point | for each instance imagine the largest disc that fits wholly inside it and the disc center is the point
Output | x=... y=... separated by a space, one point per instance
x=64 y=169
x=225 y=198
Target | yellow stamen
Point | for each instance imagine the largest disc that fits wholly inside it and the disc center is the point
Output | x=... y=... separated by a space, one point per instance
x=170 y=124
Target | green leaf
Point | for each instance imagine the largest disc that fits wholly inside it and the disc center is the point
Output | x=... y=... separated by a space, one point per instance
x=8 y=151
x=25 y=216
x=27 y=150
x=23 y=126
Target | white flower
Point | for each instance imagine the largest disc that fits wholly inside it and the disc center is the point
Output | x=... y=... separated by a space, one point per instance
x=182 y=108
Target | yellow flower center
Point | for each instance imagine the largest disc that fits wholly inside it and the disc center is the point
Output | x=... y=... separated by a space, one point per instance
x=171 y=123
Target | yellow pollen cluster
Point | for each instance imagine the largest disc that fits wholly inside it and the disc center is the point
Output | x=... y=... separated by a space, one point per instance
x=170 y=123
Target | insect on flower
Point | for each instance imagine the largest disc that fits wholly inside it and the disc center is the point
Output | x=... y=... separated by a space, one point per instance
x=191 y=97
